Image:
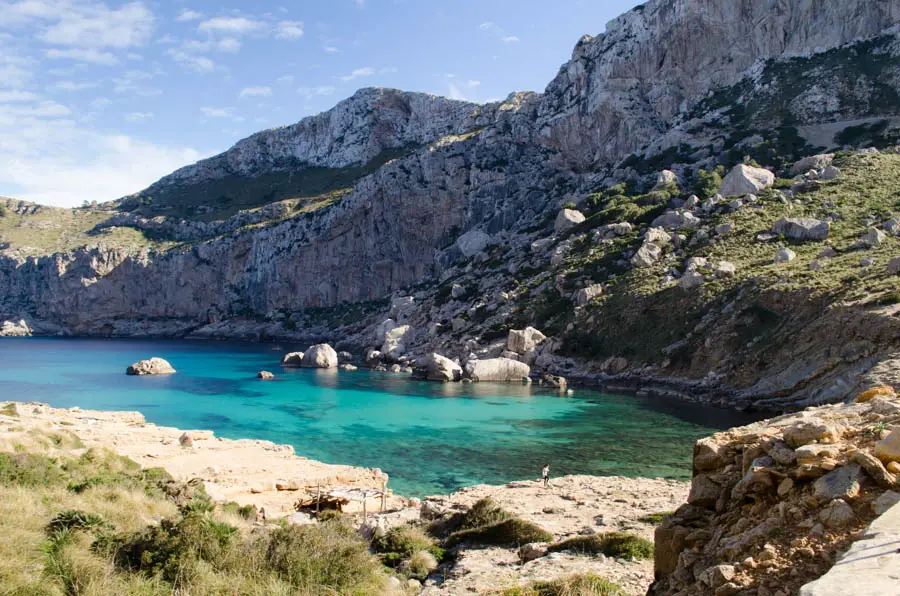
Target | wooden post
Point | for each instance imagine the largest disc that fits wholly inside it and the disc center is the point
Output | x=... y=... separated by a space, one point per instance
x=383 y=492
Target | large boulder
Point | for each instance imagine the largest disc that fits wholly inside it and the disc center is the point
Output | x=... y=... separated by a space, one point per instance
x=472 y=242
x=502 y=370
x=521 y=341
x=665 y=179
x=153 y=366
x=813 y=162
x=292 y=359
x=888 y=449
x=802 y=228
x=440 y=368
x=676 y=220
x=13 y=329
x=646 y=255
x=320 y=356
x=746 y=180
x=382 y=328
x=567 y=219
x=394 y=342
x=587 y=294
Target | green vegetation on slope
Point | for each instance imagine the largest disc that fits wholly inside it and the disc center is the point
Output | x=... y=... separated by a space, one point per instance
x=94 y=523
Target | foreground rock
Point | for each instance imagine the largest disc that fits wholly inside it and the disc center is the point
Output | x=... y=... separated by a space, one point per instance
x=153 y=366
x=746 y=180
x=500 y=370
x=14 y=329
x=320 y=356
x=775 y=502
x=802 y=228
x=442 y=369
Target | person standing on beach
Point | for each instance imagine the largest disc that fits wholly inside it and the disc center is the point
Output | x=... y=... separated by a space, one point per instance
x=545 y=475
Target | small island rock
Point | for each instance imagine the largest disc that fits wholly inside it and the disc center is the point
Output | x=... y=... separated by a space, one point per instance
x=320 y=356
x=153 y=366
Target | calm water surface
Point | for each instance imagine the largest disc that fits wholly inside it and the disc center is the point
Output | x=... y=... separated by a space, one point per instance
x=429 y=437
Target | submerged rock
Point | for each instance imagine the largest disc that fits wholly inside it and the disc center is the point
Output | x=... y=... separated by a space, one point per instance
x=265 y=375
x=153 y=366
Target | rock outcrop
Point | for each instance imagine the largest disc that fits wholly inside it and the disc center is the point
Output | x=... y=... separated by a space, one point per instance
x=772 y=504
x=319 y=356
x=500 y=370
x=440 y=368
x=14 y=329
x=746 y=180
x=153 y=366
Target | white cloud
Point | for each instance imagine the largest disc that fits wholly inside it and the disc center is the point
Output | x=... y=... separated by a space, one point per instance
x=83 y=55
x=192 y=62
x=509 y=39
x=138 y=116
x=289 y=30
x=229 y=25
x=100 y=102
x=135 y=82
x=498 y=32
x=97 y=26
x=15 y=72
x=229 y=44
x=256 y=92
x=367 y=71
x=42 y=109
x=72 y=86
x=309 y=92
x=331 y=50
x=473 y=83
x=57 y=162
x=286 y=79
x=211 y=112
x=17 y=95
x=189 y=15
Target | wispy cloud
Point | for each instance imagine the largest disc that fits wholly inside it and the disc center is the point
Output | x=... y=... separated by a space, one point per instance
x=256 y=92
x=229 y=113
x=139 y=116
x=289 y=30
x=286 y=79
x=135 y=82
x=366 y=71
x=229 y=25
x=189 y=15
x=191 y=61
x=310 y=92
x=498 y=32
x=72 y=86
x=95 y=25
x=330 y=50
x=90 y=55
x=17 y=95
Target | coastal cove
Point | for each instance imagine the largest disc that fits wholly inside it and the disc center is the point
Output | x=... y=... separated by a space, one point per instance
x=431 y=438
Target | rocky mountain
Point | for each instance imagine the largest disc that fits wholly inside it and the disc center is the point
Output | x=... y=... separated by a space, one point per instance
x=444 y=214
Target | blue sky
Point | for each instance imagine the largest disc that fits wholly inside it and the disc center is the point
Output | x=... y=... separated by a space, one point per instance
x=99 y=99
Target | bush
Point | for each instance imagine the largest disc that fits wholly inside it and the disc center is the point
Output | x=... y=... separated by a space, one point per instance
x=569 y=205
x=419 y=565
x=74 y=519
x=708 y=183
x=575 y=585
x=611 y=544
x=247 y=512
x=10 y=410
x=512 y=532
x=325 y=556
x=30 y=471
x=405 y=541
x=484 y=512
x=656 y=518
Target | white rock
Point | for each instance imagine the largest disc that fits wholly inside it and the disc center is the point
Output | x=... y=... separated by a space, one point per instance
x=676 y=220
x=785 y=255
x=586 y=295
x=320 y=356
x=382 y=328
x=472 y=242
x=497 y=369
x=153 y=366
x=802 y=228
x=646 y=255
x=830 y=173
x=813 y=162
x=13 y=329
x=724 y=269
x=520 y=341
x=394 y=345
x=664 y=179
x=744 y=179
x=872 y=237
x=691 y=280
x=441 y=368
x=567 y=219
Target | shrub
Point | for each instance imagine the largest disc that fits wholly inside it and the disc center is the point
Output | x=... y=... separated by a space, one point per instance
x=708 y=183
x=484 y=512
x=325 y=555
x=419 y=565
x=74 y=519
x=574 y=585
x=611 y=544
x=656 y=518
x=404 y=540
x=569 y=205
x=10 y=410
x=247 y=512
x=28 y=470
x=511 y=532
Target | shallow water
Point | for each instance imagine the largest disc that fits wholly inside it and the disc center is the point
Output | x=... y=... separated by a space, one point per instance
x=429 y=437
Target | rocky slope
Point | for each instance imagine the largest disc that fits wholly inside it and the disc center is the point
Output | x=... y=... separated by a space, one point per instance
x=395 y=194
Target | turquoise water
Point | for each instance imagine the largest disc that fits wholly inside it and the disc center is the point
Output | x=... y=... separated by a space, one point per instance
x=430 y=438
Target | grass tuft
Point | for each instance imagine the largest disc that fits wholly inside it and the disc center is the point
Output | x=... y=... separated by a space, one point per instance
x=612 y=544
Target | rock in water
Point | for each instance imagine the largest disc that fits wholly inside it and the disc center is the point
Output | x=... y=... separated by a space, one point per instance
x=441 y=368
x=153 y=366
x=292 y=359
x=13 y=329
x=502 y=370
x=265 y=375
x=746 y=180
x=320 y=356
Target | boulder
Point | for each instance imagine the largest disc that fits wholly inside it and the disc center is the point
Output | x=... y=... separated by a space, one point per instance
x=785 y=255
x=614 y=365
x=811 y=430
x=691 y=280
x=586 y=295
x=885 y=502
x=744 y=180
x=691 y=203
x=153 y=366
x=472 y=242
x=841 y=483
x=532 y=551
x=292 y=359
x=345 y=357
x=830 y=173
x=892 y=226
x=554 y=382
x=441 y=368
x=838 y=514
x=888 y=449
x=676 y=220
x=665 y=179
x=802 y=228
x=724 y=229
x=893 y=267
x=382 y=328
x=646 y=255
x=320 y=356
x=348 y=367
x=186 y=440
x=724 y=269
x=265 y=375
x=13 y=329
x=373 y=358
x=813 y=162
x=657 y=236
x=872 y=237
x=457 y=291
x=394 y=342
x=567 y=219
x=501 y=370
x=622 y=228
x=521 y=341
